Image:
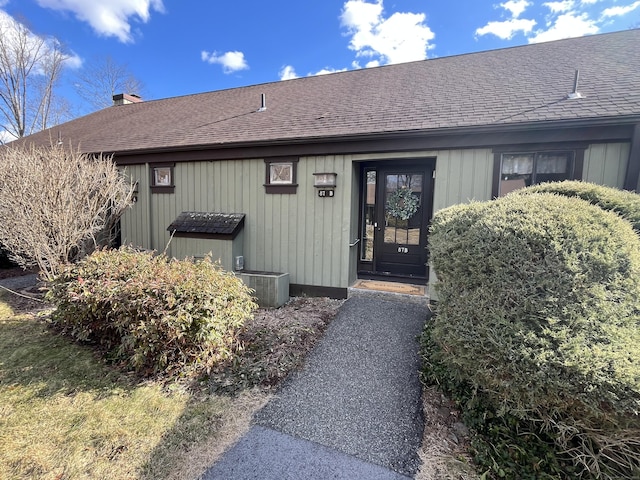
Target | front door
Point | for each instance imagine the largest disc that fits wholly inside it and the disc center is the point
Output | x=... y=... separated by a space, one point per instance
x=397 y=207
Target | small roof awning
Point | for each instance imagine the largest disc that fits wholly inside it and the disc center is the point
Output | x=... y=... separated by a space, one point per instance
x=207 y=225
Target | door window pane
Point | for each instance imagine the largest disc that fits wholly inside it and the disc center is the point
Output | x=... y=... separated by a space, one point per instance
x=402 y=205
x=368 y=216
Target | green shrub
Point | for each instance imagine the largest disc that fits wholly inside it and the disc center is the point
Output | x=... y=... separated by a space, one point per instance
x=539 y=312
x=157 y=317
x=624 y=203
x=504 y=446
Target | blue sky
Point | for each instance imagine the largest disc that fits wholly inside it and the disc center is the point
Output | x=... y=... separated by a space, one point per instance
x=178 y=47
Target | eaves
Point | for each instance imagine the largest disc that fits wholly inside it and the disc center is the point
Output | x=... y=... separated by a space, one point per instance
x=607 y=129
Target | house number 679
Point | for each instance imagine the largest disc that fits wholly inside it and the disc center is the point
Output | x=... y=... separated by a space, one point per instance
x=403 y=250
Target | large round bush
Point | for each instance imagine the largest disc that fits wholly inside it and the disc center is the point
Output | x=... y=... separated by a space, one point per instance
x=539 y=307
x=157 y=316
x=624 y=203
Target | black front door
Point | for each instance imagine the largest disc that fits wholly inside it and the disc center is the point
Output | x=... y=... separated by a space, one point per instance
x=397 y=207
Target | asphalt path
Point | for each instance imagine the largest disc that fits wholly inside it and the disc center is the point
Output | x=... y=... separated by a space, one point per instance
x=353 y=412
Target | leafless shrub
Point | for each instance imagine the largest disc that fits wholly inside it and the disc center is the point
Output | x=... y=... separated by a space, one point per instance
x=57 y=204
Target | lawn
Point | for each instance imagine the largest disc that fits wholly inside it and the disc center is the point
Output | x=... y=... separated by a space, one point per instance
x=65 y=414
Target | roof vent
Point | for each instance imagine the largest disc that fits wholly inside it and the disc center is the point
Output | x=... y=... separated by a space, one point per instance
x=263 y=102
x=575 y=94
x=126 y=98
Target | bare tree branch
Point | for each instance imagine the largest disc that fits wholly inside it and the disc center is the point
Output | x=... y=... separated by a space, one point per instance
x=30 y=68
x=102 y=78
x=58 y=205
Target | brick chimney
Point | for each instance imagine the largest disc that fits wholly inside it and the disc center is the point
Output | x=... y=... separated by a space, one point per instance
x=126 y=98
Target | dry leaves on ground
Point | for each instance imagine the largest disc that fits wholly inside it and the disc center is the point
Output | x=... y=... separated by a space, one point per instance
x=275 y=342
x=445 y=442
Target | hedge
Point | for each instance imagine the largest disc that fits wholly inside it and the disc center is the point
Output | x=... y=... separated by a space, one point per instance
x=539 y=310
x=624 y=203
x=154 y=315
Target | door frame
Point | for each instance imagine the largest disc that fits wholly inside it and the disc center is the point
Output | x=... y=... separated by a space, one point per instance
x=372 y=269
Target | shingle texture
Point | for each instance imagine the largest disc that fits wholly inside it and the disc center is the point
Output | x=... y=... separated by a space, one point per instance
x=208 y=223
x=516 y=85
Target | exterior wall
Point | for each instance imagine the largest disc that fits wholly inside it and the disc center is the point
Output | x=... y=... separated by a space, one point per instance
x=301 y=234
x=221 y=250
x=467 y=175
x=355 y=218
x=137 y=221
x=606 y=164
x=461 y=175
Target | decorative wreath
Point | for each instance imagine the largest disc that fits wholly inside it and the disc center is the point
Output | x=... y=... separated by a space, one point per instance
x=402 y=204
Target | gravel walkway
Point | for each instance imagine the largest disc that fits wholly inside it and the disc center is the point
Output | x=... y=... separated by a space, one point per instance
x=353 y=412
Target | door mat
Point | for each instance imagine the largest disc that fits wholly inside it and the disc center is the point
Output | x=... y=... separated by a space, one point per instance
x=392 y=287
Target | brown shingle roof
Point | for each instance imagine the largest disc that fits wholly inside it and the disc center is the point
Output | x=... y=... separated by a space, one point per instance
x=510 y=86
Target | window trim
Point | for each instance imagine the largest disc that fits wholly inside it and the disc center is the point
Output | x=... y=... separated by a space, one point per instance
x=576 y=148
x=162 y=188
x=281 y=188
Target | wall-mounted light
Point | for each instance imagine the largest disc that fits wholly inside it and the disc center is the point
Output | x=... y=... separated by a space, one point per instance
x=324 y=180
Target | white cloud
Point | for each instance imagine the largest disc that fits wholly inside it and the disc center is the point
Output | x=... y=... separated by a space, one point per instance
x=73 y=61
x=230 y=61
x=326 y=71
x=560 y=7
x=567 y=25
x=111 y=18
x=507 y=29
x=516 y=7
x=565 y=19
x=619 y=11
x=10 y=26
x=287 y=73
x=402 y=37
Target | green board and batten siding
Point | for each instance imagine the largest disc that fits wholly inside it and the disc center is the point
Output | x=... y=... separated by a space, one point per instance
x=136 y=223
x=606 y=164
x=301 y=234
x=305 y=235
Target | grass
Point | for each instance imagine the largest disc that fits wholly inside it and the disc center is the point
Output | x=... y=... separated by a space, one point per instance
x=64 y=414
